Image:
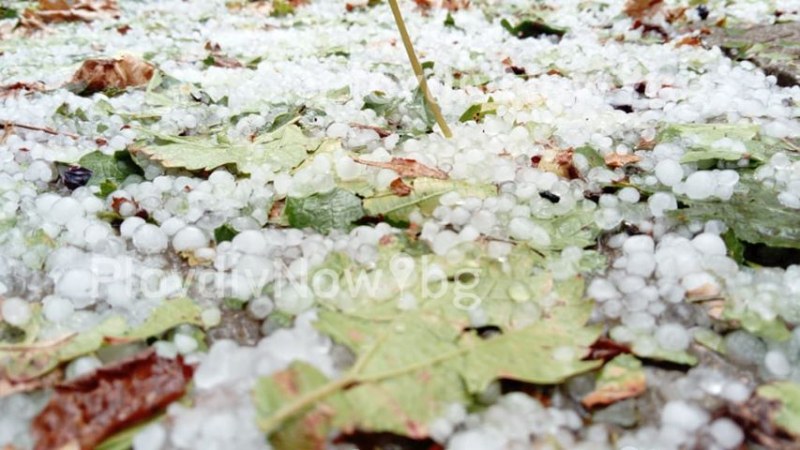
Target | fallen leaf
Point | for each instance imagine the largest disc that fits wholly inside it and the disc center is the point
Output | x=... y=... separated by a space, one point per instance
x=87 y=410
x=693 y=41
x=621 y=378
x=56 y=11
x=407 y=168
x=606 y=349
x=412 y=363
x=400 y=188
x=641 y=8
x=96 y=75
x=557 y=161
x=771 y=417
x=283 y=148
x=15 y=88
x=615 y=160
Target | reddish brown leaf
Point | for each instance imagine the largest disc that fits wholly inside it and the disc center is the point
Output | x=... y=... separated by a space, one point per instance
x=641 y=8
x=382 y=133
x=14 y=88
x=85 y=411
x=100 y=74
x=615 y=160
x=756 y=417
x=693 y=41
x=399 y=188
x=408 y=168
x=55 y=11
x=606 y=349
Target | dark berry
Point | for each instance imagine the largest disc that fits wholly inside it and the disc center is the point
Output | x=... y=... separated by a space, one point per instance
x=547 y=195
x=702 y=11
x=76 y=176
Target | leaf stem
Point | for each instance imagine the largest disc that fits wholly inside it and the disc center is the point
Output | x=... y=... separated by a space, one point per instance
x=417 y=67
x=288 y=410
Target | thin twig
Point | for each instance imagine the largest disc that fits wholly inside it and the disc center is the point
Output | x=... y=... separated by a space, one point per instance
x=42 y=129
x=412 y=57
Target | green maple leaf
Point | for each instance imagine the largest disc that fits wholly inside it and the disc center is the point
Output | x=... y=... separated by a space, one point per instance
x=412 y=363
x=282 y=149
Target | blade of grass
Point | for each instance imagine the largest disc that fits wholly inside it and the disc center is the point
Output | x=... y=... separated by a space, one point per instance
x=418 y=71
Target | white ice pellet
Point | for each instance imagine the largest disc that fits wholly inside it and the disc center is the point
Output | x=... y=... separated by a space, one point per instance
x=709 y=244
x=64 y=210
x=672 y=336
x=726 y=433
x=629 y=195
x=669 y=172
x=250 y=241
x=189 y=238
x=641 y=263
x=260 y=307
x=777 y=364
x=152 y=437
x=129 y=226
x=683 y=415
x=661 y=202
x=78 y=285
x=700 y=185
x=57 y=309
x=172 y=226
x=149 y=239
x=638 y=243
x=184 y=343
x=526 y=230
x=602 y=290
x=15 y=311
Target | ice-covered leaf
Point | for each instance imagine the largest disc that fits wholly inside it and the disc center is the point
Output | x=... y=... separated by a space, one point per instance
x=716 y=141
x=284 y=148
x=621 y=378
x=85 y=411
x=644 y=345
x=29 y=361
x=754 y=213
x=334 y=210
x=425 y=196
x=406 y=167
x=414 y=357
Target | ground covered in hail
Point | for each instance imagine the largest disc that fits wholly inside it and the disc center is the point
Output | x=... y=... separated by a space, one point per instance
x=238 y=225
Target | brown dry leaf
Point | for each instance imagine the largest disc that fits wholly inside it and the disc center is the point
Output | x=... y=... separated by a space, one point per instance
x=641 y=8
x=615 y=160
x=606 y=349
x=407 y=168
x=382 y=133
x=620 y=378
x=693 y=41
x=100 y=74
x=219 y=59
x=56 y=11
x=8 y=90
x=557 y=161
x=400 y=188
x=87 y=410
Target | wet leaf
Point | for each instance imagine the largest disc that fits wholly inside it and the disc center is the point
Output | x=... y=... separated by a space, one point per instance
x=87 y=410
x=97 y=75
x=425 y=196
x=224 y=233
x=644 y=345
x=638 y=9
x=753 y=213
x=615 y=160
x=532 y=29
x=621 y=378
x=334 y=210
x=400 y=188
x=413 y=361
x=716 y=141
x=284 y=148
x=114 y=168
x=56 y=11
x=25 y=362
x=478 y=111
x=407 y=168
